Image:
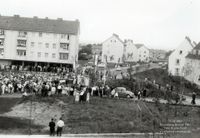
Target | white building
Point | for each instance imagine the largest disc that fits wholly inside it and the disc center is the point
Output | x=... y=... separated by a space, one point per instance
x=192 y=66
x=131 y=51
x=35 y=41
x=142 y=53
x=176 y=60
x=113 y=50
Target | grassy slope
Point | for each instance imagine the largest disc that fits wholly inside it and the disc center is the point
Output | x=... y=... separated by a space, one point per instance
x=104 y=115
x=12 y=125
x=7 y=103
x=161 y=77
x=115 y=116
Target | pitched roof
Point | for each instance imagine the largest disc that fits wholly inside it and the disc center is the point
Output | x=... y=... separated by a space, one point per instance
x=197 y=53
x=115 y=35
x=193 y=56
x=139 y=45
x=39 y=25
x=197 y=47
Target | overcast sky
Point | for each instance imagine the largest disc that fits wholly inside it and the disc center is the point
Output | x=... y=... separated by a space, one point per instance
x=159 y=24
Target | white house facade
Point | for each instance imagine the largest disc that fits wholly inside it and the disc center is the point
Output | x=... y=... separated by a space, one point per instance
x=38 y=41
x=142 y=53
x=177 y=58
x=113 y=50
x=130 y=52
x=192 y=66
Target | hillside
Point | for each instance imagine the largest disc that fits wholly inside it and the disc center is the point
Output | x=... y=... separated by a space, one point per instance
x=101 y=115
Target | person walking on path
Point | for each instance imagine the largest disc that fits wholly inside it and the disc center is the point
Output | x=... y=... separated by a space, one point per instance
x=193 y=98
x=60 y=124
x=52 y=127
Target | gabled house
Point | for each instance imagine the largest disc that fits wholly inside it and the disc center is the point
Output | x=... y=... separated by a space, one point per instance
x=191 y=70
x=113 y=49
x=130 y=52
x=177 y=58
x=142 y=53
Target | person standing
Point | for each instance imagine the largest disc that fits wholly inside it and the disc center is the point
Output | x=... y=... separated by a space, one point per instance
x=193 y=98
x=52 y=127
x=60 y=124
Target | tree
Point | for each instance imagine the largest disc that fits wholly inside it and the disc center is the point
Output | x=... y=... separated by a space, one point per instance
x=85 y=53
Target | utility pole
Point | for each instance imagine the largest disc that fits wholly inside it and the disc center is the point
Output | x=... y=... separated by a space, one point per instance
x=30 y=115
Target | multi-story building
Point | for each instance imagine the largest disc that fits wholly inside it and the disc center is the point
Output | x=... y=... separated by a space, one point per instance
x=142 y=53
x=113 y=50
x=36 y=41
x=177 y=58
x=191 y=69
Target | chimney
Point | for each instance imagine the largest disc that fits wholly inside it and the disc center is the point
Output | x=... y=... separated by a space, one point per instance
x=16 y=16
x=188 y=39
x=59 y=19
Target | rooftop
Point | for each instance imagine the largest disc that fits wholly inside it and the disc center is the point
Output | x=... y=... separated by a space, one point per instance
x=195 y=54
x=36 y=24
x=139 y=45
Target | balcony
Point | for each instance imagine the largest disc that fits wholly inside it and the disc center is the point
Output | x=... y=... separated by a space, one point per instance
x=64 y=47
x=21 y=44
x=1 y=42
x=2 y=36
x=2 y=33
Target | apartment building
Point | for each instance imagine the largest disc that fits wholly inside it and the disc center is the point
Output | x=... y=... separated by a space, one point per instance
x=36 y=41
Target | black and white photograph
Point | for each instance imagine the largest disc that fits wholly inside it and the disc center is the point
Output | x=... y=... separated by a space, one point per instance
x=100 y=68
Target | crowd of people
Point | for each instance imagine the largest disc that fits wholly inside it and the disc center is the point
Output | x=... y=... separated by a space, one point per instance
x=39 y=83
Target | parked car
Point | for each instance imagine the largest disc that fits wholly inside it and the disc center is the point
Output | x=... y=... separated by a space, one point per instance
x=121 y=92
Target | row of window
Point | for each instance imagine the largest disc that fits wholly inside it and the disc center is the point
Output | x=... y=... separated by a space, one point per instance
x=46 y=55
x=22 y=43
x=40 y=34
x=62 y=56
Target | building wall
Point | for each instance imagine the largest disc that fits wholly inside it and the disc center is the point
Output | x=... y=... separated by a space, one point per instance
x=131 y=52
x=192 y=70
x=175 y=67
x=113 y=49
x=44 y=44
x=156 y=55
x=143 y=54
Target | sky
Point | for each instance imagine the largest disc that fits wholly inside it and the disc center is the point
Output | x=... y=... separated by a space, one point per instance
x=159 y=24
